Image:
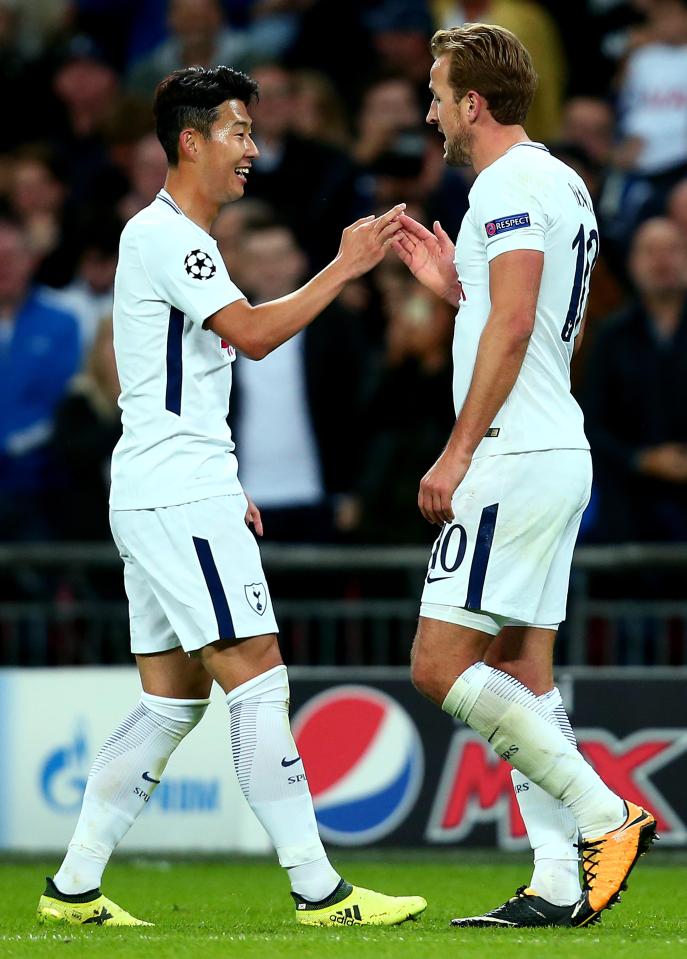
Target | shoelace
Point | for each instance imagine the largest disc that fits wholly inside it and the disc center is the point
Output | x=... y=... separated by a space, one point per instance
x=590 y=853
x=518 y=895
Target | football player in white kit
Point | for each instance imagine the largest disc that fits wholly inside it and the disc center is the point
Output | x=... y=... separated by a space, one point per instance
x=199 y=605
x=510 y=487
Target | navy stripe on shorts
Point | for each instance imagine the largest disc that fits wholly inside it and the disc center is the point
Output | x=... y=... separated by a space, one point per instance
x=225 y=624
x=480 y=558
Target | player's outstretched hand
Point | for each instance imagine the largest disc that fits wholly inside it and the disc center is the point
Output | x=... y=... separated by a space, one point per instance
x=429 y=256
x=439 y=484
x=365 y=242
x=253 y=517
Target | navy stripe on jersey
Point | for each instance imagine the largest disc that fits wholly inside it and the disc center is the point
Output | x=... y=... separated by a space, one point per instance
x=225 y=623
x=480 y=559
x=535 y=146
x=175 y=370
x=169 y=203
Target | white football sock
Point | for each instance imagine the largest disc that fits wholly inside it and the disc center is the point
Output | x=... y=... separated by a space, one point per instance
x=124 y=775
x=509 y=717
x=551 y=827
x=274 y=783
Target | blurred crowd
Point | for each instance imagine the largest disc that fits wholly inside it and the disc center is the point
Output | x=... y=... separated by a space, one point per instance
x=336 y=427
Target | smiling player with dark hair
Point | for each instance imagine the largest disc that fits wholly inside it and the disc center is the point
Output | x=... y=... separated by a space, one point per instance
x=199 y=606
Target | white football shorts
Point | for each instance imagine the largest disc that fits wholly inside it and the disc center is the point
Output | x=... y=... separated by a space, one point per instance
x=192 y=574
x=509 y=549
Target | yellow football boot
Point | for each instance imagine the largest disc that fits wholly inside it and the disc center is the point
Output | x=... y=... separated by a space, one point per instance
x=354 y=906
x=53 y=906
x=608 y=861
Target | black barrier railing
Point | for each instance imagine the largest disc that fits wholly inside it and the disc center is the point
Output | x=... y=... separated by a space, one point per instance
x=63 y=603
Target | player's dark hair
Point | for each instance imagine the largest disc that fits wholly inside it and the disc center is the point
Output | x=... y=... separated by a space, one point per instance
x=493 y=62
x=190 y=98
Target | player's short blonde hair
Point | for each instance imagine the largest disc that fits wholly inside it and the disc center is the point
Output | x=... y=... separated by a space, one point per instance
x=493 y=62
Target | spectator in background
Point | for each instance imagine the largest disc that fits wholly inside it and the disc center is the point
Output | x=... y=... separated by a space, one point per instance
x=296 y=414
x=652 y=104
x=44 y=19
x=400 y=160
x=87 y=90
x=400 y=32
x=392 y=143
x=39 y=353
x=409 y=415
x=147 y=176
x=635 y=400
x=676 y=206
x=272 y=25
x=87 y=427
x=310 y=184
x=127 y=123
x=390 y=109
x=349 y=61
x=589 y=123
x=37 y=193
x=652 y=96
x=17 y=72
x=198 y=36
x=318 y=111
x=589 y=126
x=89 y=296
x=201 y=36
x=537 y=30
x=230 y=227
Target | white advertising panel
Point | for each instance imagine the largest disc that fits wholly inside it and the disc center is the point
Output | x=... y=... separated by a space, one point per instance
x=52 y=723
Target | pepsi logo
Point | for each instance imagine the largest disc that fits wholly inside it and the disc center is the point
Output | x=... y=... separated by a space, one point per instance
x=364 y=760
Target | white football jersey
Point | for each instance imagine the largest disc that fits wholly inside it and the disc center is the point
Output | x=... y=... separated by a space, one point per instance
x=528 y=200
x=175 y=376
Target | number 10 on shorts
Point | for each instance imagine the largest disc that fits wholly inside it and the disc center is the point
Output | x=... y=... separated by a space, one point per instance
x=450 y=549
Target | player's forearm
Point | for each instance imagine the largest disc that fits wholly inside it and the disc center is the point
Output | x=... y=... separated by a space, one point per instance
x=500 y=355
x=448 y=289
x=279 y=320
x=453 y=294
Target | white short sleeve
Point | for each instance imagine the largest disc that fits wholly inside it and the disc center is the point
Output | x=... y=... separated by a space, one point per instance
x=187 y=270
x=508 y=214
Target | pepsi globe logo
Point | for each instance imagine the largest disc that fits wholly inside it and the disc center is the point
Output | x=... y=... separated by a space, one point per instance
x=364 y=760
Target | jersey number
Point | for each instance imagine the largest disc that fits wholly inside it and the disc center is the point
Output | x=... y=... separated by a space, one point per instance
x=587 y=252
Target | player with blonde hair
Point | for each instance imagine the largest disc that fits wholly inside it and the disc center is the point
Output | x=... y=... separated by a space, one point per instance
x=509 y=489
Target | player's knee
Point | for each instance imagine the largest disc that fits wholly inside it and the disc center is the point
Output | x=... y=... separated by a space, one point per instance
x=180 y=715
x=425 y=679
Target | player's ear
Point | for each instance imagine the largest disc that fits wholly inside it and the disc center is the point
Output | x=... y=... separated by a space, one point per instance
x=473 y=104
x=188 y=144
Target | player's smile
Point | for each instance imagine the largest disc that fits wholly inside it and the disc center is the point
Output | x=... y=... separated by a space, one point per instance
x=232 y=146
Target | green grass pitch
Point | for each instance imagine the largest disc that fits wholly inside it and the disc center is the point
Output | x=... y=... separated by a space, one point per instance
x=241 y=908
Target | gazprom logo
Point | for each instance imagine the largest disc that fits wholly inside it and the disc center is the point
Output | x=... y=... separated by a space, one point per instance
x=187 y=795
x=507 y=223
x=63 y=774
